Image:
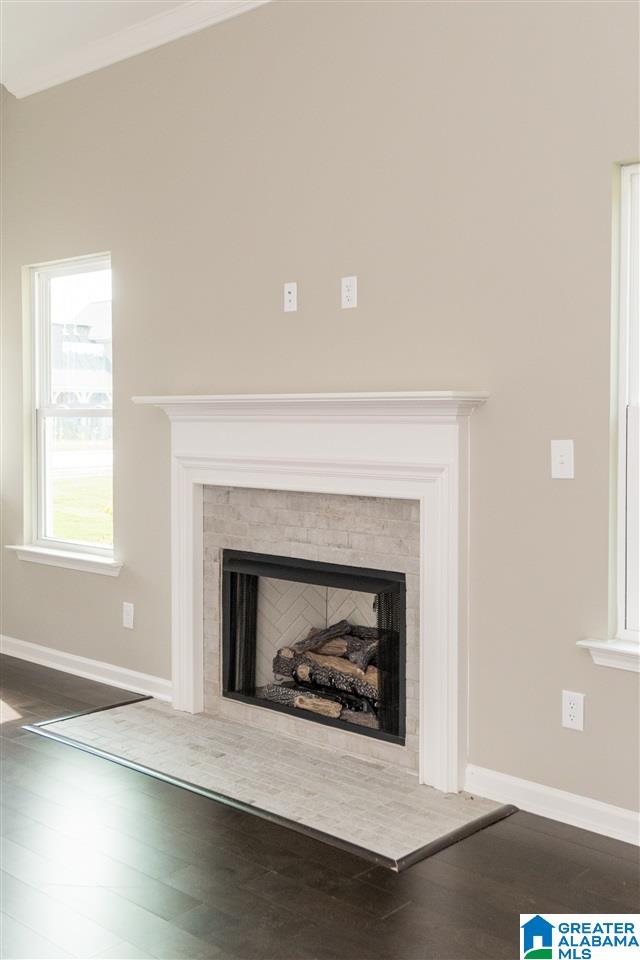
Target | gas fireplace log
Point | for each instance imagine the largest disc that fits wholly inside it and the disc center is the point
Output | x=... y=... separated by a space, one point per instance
x=284 y=662
x=302 y=698
x=280 y=692
x=359 y=650
x=366 y=633
x=334 y=648
x=372 y=677
x=327 y=708
x=360 y=718
x=316 y=638
x=359 y=644
x=336 y=672
x=327 y=671
x=350 y=700
x=337 y=664
x=362 y=650
x=285 y=693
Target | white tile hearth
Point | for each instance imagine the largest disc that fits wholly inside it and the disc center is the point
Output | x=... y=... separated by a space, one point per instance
x=299 y=781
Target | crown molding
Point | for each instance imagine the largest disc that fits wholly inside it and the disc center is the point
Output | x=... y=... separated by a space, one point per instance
x=346 y=407
x=130 y=41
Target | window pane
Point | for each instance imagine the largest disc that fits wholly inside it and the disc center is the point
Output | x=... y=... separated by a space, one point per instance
x=634 y=289
x=78 y=483
x=632 y=612
x=80 y=311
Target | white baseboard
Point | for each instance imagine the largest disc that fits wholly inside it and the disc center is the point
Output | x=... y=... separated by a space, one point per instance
x=571 y=808
x=84 y=667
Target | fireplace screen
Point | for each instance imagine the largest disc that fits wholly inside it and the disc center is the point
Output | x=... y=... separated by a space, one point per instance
x=320 y=641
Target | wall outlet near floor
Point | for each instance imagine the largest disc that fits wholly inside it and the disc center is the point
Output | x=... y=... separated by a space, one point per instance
x=572 y=710
x=127 y=615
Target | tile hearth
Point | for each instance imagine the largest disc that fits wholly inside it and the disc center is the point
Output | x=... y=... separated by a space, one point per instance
x=309 y=785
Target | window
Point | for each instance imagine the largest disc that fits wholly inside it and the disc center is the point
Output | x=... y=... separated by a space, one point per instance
x=628 y=492
x=71 y=308
x=623 y=650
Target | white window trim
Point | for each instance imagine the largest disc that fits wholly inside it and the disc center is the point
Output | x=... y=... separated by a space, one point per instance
x=622 y=654
x=37 y=548
x=627 y=376
x=622 y=651
x=72 y=560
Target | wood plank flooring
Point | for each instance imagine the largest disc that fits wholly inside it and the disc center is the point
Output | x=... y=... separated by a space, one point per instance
x=101 y=861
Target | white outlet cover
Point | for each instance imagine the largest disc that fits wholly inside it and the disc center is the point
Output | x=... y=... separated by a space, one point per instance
x=562 y=460
x=349 y=293
x=572 y=710
x=290 y=297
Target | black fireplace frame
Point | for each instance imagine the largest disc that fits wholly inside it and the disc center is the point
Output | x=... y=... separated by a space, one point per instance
x=326 y=574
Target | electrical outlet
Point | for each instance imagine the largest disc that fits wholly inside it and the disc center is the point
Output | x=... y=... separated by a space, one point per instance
x=127 y=615
x=572 y=710
x=349 y=293
x=290 y=301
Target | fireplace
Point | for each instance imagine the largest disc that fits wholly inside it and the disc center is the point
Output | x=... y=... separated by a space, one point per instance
x=320 y=641
x=259 y=455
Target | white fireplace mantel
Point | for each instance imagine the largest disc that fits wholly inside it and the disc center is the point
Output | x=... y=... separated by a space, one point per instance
x=410 y=445
x=404 y=406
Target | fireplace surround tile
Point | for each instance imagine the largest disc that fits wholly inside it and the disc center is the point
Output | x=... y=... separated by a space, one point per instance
x=330 y=528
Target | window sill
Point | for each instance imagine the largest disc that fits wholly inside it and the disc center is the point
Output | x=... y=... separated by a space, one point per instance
x=87 y=562
x=622 y=654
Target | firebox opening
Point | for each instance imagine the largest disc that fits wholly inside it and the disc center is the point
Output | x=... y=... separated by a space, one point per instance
x=320 y=641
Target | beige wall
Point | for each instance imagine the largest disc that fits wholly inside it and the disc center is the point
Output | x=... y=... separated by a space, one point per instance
x=457 y=157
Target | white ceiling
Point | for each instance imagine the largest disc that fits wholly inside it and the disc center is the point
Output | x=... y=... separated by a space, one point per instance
x=46 y=42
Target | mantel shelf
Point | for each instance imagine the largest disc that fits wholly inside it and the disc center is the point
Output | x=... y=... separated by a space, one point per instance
x=402 y=406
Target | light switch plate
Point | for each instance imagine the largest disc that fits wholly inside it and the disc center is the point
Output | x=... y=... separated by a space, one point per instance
x=127 y=615
x=562 y=460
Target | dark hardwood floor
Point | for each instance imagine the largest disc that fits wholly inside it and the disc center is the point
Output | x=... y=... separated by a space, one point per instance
x=101 y=861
